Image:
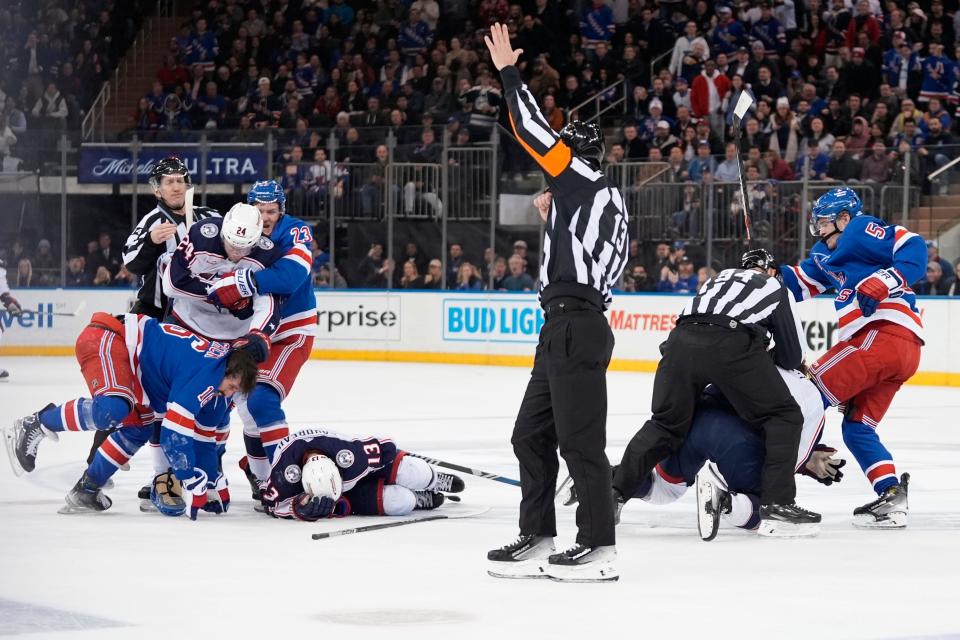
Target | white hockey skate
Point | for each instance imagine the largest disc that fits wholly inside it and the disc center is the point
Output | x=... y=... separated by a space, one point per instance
x=522 y=558
x=713 y=500
x=889 y=511
x=580 y=563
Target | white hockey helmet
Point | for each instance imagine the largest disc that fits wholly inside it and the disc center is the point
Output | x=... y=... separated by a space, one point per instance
x=321 y=477
x=242 y=226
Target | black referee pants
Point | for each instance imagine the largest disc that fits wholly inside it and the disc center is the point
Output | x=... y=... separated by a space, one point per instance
x=736 y=362
x=566 y=404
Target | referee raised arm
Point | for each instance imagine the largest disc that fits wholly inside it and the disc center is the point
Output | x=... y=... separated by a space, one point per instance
x=721 y=338
x=565 y=403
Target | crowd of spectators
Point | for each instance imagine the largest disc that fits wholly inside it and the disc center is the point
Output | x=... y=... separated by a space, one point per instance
x=54 y=57
x=102 y=265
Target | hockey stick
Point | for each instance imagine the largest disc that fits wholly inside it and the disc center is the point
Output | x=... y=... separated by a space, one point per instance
x=739 y=111
x=472 y=472
x=58 y=314
x=188 y=207
x=401 y=523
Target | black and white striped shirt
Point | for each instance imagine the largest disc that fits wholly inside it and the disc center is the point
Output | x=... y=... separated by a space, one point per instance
x=585 y=249
x=756 y=300
x=142 y=256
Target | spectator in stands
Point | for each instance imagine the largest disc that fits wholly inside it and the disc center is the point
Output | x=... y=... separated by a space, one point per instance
x=704 y=274
x=684 y=54
x=596 y=26
x=680 y=279
x=104 y=255
x=415 y=36
x=520 y=249
x=933 y=255
x=411 y=278
x=842 y=167
x=434 y=277
x=728 y=170
x=640 y=280
x=102 y=277
x=708 y=91
x=49 y=111
x=876 y=166
x=424 y=186
x=819 y=135
x=933 y=284
x=859 y=137
x=936 y=150
x=703 y=166
x=818 y=162
x=754 y=137
x=77 y=275
x=785 y=131
x=954 y=289
x=519 y=279
x=454 y=260
x=468 y=278
x=777 y=167
x=24 y=273
x=125 y=279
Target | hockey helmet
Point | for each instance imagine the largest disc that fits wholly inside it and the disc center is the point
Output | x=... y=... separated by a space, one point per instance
x=586 y=140
x=242 y=226
x=321 y=477
x=171 y=166
x=267 y=191
x=758 y=259
x=832 y=204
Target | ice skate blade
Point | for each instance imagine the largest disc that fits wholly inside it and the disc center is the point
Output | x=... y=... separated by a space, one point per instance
x=70 y=510
x=893 y=520
x=524 y=570
x=779 y=529
x=146 y=506
x=581 y=573
x=565 y=495
x=10 y=443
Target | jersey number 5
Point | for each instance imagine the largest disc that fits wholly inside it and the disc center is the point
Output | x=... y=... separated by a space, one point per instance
x=875 y=230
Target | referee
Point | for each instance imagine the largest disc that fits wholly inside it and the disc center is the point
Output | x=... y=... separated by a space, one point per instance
x=721 y=339
x=565 y=403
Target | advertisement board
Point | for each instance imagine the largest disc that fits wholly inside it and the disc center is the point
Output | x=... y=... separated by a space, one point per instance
x=111 y=165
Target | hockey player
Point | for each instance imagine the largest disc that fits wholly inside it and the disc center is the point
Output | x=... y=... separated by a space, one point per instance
x=371 y=476
x=264 y=422
x=870 y=265
x=719 y=435
x=10 y=305
x=136 y=364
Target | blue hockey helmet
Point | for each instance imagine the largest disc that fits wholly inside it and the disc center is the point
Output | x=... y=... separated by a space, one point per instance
x=267 y=191
x=832 y=204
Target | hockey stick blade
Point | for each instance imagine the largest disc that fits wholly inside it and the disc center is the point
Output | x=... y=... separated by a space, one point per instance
x=401 y=523
x=467 y=470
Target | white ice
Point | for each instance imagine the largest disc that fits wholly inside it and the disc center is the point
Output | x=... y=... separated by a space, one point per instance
x=244 y=575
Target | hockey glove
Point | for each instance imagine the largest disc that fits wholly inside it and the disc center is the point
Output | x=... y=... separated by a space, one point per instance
x=11 y=304
x=218 y=496
x=195 y=491
x=256 y=343
x=312 y=508
x=242 y=311
x=877 y=287
x=823 y=467
x=232 y=288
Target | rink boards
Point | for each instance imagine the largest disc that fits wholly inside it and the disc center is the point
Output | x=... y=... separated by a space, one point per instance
x=466 y=328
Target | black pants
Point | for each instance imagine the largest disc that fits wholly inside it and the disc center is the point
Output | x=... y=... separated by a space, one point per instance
x=736 y=362
x=566 y=404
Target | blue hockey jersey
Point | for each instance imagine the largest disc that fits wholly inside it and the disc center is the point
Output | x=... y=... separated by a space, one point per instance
x=289 y=277
x=939 y=78
x=866 y=245
x=179 y=376
x=199 y=261
x=357 y=460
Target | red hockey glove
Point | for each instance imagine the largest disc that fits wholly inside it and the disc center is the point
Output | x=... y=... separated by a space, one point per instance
x=11 y=304
x=232 y=288
x=877 y=287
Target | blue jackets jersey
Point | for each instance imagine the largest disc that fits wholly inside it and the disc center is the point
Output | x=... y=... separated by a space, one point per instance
x=357 y=460
x=289 y=277
x=180 y=374
x=201 y=260
x=866 y=245
x=938 y=77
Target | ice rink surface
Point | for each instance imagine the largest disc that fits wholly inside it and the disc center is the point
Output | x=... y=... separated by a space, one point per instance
x=124 y=574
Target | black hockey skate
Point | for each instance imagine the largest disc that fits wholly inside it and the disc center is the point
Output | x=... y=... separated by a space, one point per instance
x=146 y=505
x=446 y=482
x=427 y=500
x=24 y=438
x=889 y=511
x=85 y=497
x=254 y=485
x=521 y=558
x=581 y=563
x=788 y=521
x=713 y=501
x=4 y=375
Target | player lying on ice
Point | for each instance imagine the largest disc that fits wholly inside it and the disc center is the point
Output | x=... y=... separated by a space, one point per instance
x=318 y=474
x=137 y=368
x=736 y=449
x=870 y=265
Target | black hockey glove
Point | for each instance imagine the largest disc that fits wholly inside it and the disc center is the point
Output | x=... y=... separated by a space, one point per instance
x=822 y=466
x=312 y=508
x=256 y=343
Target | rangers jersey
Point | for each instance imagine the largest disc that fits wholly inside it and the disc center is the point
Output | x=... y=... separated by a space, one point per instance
x=196 y=264
x=179 y=374
x=357 y=459
x=289 y=277
x=866 y=245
